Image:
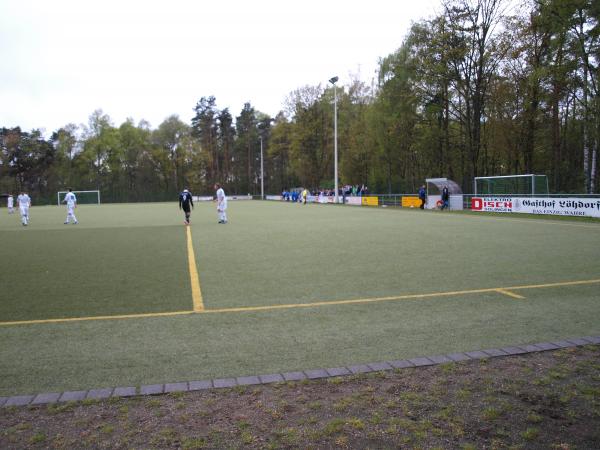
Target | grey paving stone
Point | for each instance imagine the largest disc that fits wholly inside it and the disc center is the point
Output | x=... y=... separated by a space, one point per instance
x=176 y=387
x=494 y=352
x=41 y=399
x=361 y=368
x=3 y=401
x=458 y=357
x=562 y=344
x=338 y=371
x=513 y=350
x=578 y=341
x=401 y=364
x=244 y=381
x=293 y=376
x=125 y=391
x=98 y=394
x=271 y=378
x=546 y=345
x=380 y=366
x=200 y=385
x=593 y=339
x=151 y=389
x=316 y=373
x=225 y=383
x=477 y=355
x=422 y=361
x=440 y=359
x=72 y=396
x=531 y=348
x=19 y=400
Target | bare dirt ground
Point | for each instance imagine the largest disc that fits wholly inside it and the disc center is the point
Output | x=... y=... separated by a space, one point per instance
x=548 y=400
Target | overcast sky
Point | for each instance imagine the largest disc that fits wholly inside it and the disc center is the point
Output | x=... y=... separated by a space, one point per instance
x=62 y=59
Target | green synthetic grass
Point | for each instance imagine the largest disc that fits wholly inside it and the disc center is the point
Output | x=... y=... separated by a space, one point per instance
x=288 y=253
x=131 y=259
x=105 y=265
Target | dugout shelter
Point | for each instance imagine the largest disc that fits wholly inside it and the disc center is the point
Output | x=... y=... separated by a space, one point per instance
x=434 y=193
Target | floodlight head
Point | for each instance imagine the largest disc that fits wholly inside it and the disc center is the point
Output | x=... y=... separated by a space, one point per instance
x=333 y=80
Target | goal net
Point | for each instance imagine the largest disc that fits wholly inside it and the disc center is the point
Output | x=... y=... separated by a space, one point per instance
x=512 y=185
x=83 y=197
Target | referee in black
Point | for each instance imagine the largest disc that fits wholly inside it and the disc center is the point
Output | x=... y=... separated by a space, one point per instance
x=187 y=204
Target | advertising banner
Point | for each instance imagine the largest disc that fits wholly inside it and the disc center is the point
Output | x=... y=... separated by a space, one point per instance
x=563 y=206
x=353 y=201
x=370 y=201
x=411 y=202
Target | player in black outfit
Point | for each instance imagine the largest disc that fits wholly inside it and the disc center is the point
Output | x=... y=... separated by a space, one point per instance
x=187 y=204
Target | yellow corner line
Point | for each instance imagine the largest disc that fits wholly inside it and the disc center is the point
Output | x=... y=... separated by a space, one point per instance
x=547 y=285
x=510 y=294
x=505 y=291
x=348 y=302
x=85 y=319
x=194 y=279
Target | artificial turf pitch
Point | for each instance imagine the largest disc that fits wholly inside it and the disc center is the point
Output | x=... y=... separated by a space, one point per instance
x=284 y=286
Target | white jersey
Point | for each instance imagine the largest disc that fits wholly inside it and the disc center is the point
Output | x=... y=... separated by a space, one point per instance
x=70 y=199
x=24 y=201
x=221 y=198
x=11 y=202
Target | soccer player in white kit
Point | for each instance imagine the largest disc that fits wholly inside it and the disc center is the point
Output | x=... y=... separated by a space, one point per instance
x=221 y=204
x=24 y=203
x=10 y=203
x=71 y=202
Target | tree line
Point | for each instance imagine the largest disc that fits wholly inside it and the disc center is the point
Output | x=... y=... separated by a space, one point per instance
x=480 y=89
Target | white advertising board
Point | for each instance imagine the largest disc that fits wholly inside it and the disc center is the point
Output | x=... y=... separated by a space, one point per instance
x=435 y=202
x=354 y=201
x=558 y=206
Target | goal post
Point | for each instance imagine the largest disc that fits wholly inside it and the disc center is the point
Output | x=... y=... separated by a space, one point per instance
x=529 y=184
x=83 y=197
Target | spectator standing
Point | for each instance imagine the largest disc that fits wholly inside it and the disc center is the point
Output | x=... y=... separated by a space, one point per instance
x=445 y=198
x=422 y=196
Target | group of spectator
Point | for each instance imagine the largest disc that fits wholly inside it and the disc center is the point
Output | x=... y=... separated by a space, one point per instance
x=356 y=190
x=348 y=190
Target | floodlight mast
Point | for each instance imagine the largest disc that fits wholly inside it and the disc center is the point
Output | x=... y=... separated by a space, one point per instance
x=334 y=80
x=262 y=171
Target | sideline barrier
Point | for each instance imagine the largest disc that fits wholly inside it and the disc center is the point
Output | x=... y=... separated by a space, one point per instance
x=209 y=198
x=370 y=201
x=557 y=206
x=411 y=202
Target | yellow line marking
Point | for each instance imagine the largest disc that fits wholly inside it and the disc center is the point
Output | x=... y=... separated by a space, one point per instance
x=401 y=297
x=505 y=290
x=562 y=283
x=510 y=294
x=85 y=319
x=194 y=280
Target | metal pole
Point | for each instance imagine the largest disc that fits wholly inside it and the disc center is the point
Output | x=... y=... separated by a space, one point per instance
x=262 y=179
x=335 y=147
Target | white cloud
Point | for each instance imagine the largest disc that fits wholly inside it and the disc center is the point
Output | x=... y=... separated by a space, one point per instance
x=149 y=59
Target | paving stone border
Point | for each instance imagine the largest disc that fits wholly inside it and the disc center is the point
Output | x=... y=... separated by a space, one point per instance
x=313 y=374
